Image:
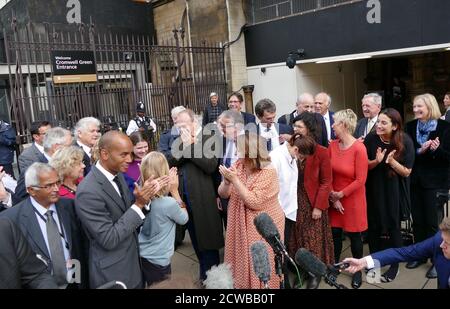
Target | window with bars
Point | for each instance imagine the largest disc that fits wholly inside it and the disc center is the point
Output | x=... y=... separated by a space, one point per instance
x=266 y=10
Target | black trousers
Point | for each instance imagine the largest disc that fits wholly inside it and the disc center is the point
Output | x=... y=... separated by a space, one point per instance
x=154 y=273
x=426 y=209
x=356 y=244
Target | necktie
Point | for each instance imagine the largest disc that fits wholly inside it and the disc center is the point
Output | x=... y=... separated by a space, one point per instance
x=116 y=180
x=369 y=126
x=56 y=250
x=269 y=140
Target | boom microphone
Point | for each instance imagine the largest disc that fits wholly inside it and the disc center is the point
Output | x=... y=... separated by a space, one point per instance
x=316 y=267
x=268 y=230
x=261 y=264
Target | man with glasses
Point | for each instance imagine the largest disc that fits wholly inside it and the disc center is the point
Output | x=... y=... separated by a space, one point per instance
x=235 y=103
x=50 y=225
x=36 y=150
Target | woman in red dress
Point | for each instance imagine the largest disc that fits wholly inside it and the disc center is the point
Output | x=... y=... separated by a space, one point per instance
x=349 y=165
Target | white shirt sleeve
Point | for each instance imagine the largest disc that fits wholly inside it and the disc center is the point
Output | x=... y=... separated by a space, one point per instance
x=370 y=262
x=153 y=125
x=138 y=211
x=132 y=127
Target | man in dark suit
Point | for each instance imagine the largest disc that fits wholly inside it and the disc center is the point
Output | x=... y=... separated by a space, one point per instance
x=274 y=133
x=7 y=147
x=212 y=110
x=49 y=223
x=36 y=150
x=19 y=266
x=446 y=116
x=305 y=103
x=371 y=107
x=54 y=139
x=322 y=103
x=235 y=102
x=436 y=247
x=108 y=215
x=87 y=133
x=197 y=167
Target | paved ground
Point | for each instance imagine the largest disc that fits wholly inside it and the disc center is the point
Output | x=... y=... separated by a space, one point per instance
x=185 y=262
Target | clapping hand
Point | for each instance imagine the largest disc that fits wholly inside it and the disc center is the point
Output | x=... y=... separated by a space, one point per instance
x=390 y=157
x=435 y=144
x=230 y=174
x=173 y=179
x=380 y=155
x=146 y=192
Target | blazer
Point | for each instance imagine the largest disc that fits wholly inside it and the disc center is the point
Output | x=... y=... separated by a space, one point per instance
x=248 y=118
x=428 y=248
x=331 y=124
x=165 y=144
x=318 y=178
x=431 y=169
x=21 y=191
x=28 y=157
x=86 y=160
x=24 y=217
x=111 y=227
x=19 y=266
x=361 y=128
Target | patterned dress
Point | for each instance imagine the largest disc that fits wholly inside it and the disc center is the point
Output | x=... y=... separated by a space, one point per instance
x=242 y=233
x=313 y=235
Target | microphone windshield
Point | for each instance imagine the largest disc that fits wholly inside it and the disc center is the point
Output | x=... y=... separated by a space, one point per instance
x=260 y=259
x=307 y=261
x=266 y=228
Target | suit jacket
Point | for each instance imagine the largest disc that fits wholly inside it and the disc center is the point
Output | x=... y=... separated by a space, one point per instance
x=447 y=116
x=318 y=178
x=284 y=119
x=361 y=128
x=165 y=145
x=431 y=169
x=111 y=227
x=28 y=157
x=19 y=266
x=24 y=217
x=428 y=248
x=86 y=160
x=248 y=118
x=21 y=191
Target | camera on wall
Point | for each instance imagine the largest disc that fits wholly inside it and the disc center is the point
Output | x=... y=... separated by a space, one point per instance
x=293 y=57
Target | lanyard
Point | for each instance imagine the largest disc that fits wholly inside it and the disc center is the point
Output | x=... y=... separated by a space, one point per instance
x=61 y=233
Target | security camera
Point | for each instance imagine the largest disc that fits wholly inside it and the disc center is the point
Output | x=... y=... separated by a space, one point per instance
x=292 y=58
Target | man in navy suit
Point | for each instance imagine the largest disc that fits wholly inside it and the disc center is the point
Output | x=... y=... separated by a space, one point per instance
x=437 y=248
x=235 y=102
x=275 y=133
x=36 y=150
x=322 y=103
x=371 y=107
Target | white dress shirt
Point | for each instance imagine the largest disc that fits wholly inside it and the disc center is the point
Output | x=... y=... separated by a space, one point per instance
x=370 y=123
x=287 y=171
x=110 y=178
x=326 y=117
x=86 y=149
x=39 y=147
x=42 y=224
x=271 y=134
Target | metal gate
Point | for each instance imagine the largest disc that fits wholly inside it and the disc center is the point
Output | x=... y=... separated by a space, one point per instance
x=130 y=69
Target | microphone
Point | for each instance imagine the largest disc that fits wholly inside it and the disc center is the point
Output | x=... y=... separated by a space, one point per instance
x=268 y=230
x=261 y=264
x=219 y=277
x=316 y=267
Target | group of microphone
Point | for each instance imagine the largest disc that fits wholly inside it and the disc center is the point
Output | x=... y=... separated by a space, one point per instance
x=303 y=258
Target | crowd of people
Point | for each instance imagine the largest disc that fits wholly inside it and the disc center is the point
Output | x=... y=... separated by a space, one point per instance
x=118 y=208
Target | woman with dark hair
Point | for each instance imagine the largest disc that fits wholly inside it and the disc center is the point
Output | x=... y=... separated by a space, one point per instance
x=391 y=157
x=140 y=150
x=312 y=229
x=252 y=186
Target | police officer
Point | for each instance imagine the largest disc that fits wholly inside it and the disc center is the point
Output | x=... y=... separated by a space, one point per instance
x=142 y=123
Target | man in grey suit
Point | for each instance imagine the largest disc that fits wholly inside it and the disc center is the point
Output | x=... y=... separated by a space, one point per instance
x=109 y=217
x=371 y=107
x=36 y=150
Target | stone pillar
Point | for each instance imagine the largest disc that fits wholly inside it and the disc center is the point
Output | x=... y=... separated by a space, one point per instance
x=248 y=96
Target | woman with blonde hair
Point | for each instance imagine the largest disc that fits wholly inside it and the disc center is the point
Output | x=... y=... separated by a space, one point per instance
x=349 y=165
x=252 y=186
x=157 y=236
x=431 y=137
x=68 y=162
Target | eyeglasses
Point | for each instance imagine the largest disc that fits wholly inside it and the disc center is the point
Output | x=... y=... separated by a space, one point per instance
x=49 y=186
x=234 y=101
